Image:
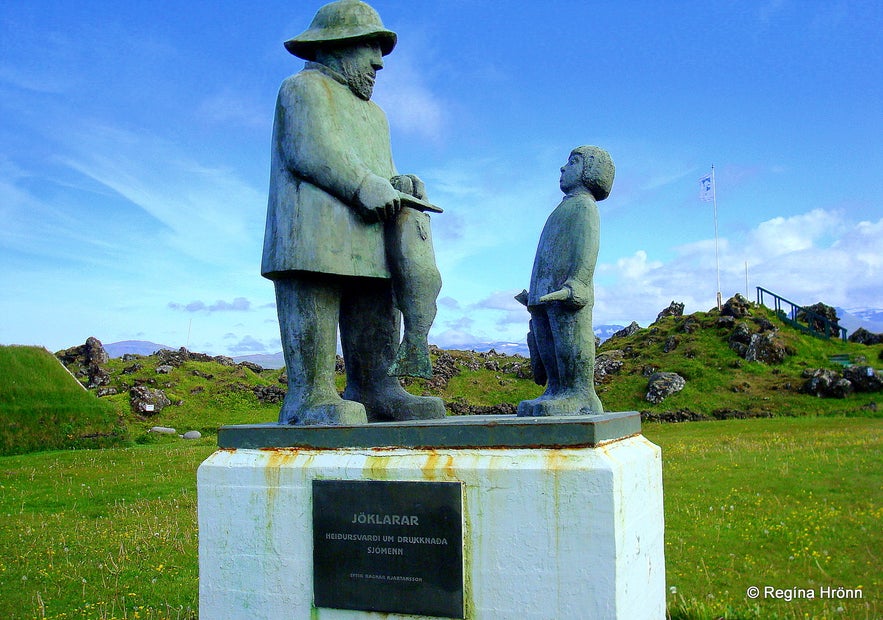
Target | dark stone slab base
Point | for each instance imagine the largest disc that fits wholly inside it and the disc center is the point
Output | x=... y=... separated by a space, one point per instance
x=484 y=431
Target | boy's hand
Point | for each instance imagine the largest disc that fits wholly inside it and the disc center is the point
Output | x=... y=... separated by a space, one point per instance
x=562 y=294
x=568 y=296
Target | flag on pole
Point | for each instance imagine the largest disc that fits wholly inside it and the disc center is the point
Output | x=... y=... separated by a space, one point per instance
x=706 y=188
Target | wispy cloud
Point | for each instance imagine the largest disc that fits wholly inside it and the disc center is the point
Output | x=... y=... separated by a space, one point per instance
x=409 y=103
x=246 y=345
x=233 y=107
x=201 y=207
x=240 y=304
x=47 y=82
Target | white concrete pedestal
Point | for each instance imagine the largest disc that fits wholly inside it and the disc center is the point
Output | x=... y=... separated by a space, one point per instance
x=548 y=532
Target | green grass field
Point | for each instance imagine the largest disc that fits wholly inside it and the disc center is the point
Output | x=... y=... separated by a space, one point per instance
x=780 y=502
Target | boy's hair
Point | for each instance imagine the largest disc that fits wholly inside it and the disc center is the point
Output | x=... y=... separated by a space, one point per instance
x=598 y=170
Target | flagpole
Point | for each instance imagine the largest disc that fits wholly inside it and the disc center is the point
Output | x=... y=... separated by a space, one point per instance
x=716 y=251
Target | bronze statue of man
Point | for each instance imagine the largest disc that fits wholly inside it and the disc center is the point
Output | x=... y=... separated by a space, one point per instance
x=335 y=222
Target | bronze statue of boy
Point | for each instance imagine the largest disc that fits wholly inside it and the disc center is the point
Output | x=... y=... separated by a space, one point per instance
x=561 y=295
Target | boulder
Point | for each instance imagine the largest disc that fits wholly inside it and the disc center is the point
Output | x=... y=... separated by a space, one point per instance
x=863 y=336
x=457 y=407
x=172 y=358
x=674 y=309
x=176 y=358
x=737 y=307
x=816 y=316
x=825 y=383
x=98 y=377
x=164 y=369
x=690 y=325
x=681 y=415
x=764 y=324
x=740 y=339
x=671 y=344
x=522 y=370
x=626 y=331
x=94 y=351
x=607 y=363
x=726 y=322
x=766 y=348
x=662 y=385
x=147 y=401
x=255 y=368
x=162 y=430
x=128 y=370
x=85 y=361
x=863 y=378
x=269 y=394
x=191 y=435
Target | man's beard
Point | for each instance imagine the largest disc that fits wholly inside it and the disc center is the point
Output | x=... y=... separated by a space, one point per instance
x=360 y=82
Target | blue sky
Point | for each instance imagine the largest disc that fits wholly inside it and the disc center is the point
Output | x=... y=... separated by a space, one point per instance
x=134 y=156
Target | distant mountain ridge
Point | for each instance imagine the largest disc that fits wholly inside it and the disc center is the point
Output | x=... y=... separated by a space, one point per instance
x=277 y=360
x=264 y=360
x=869 y=318
x=134 y=347
x=520 y=348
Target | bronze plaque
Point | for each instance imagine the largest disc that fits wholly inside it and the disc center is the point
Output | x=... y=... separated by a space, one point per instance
x=388 y=546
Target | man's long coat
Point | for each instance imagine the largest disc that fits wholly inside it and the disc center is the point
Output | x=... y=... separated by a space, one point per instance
x=326 y=141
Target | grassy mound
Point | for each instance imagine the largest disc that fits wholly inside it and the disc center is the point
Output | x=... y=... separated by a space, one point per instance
x=204 y=393
x=719 y=382
x=42 y=407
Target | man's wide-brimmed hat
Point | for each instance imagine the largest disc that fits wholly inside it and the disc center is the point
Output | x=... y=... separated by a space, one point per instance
x=345 y=21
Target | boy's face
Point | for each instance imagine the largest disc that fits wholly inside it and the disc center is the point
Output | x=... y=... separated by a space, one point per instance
x=571 y=173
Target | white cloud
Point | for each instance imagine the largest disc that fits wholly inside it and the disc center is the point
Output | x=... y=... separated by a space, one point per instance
x=780 y=235
x=635 y=267
x=448 y=302
x=408 y=102
x=499 y=300
x=864 y=241
x=454 y=337
x=247 y=344
x=814 y=256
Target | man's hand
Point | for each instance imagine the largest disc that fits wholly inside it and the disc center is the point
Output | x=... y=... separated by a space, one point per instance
x=409 y=184
x=377 y=200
